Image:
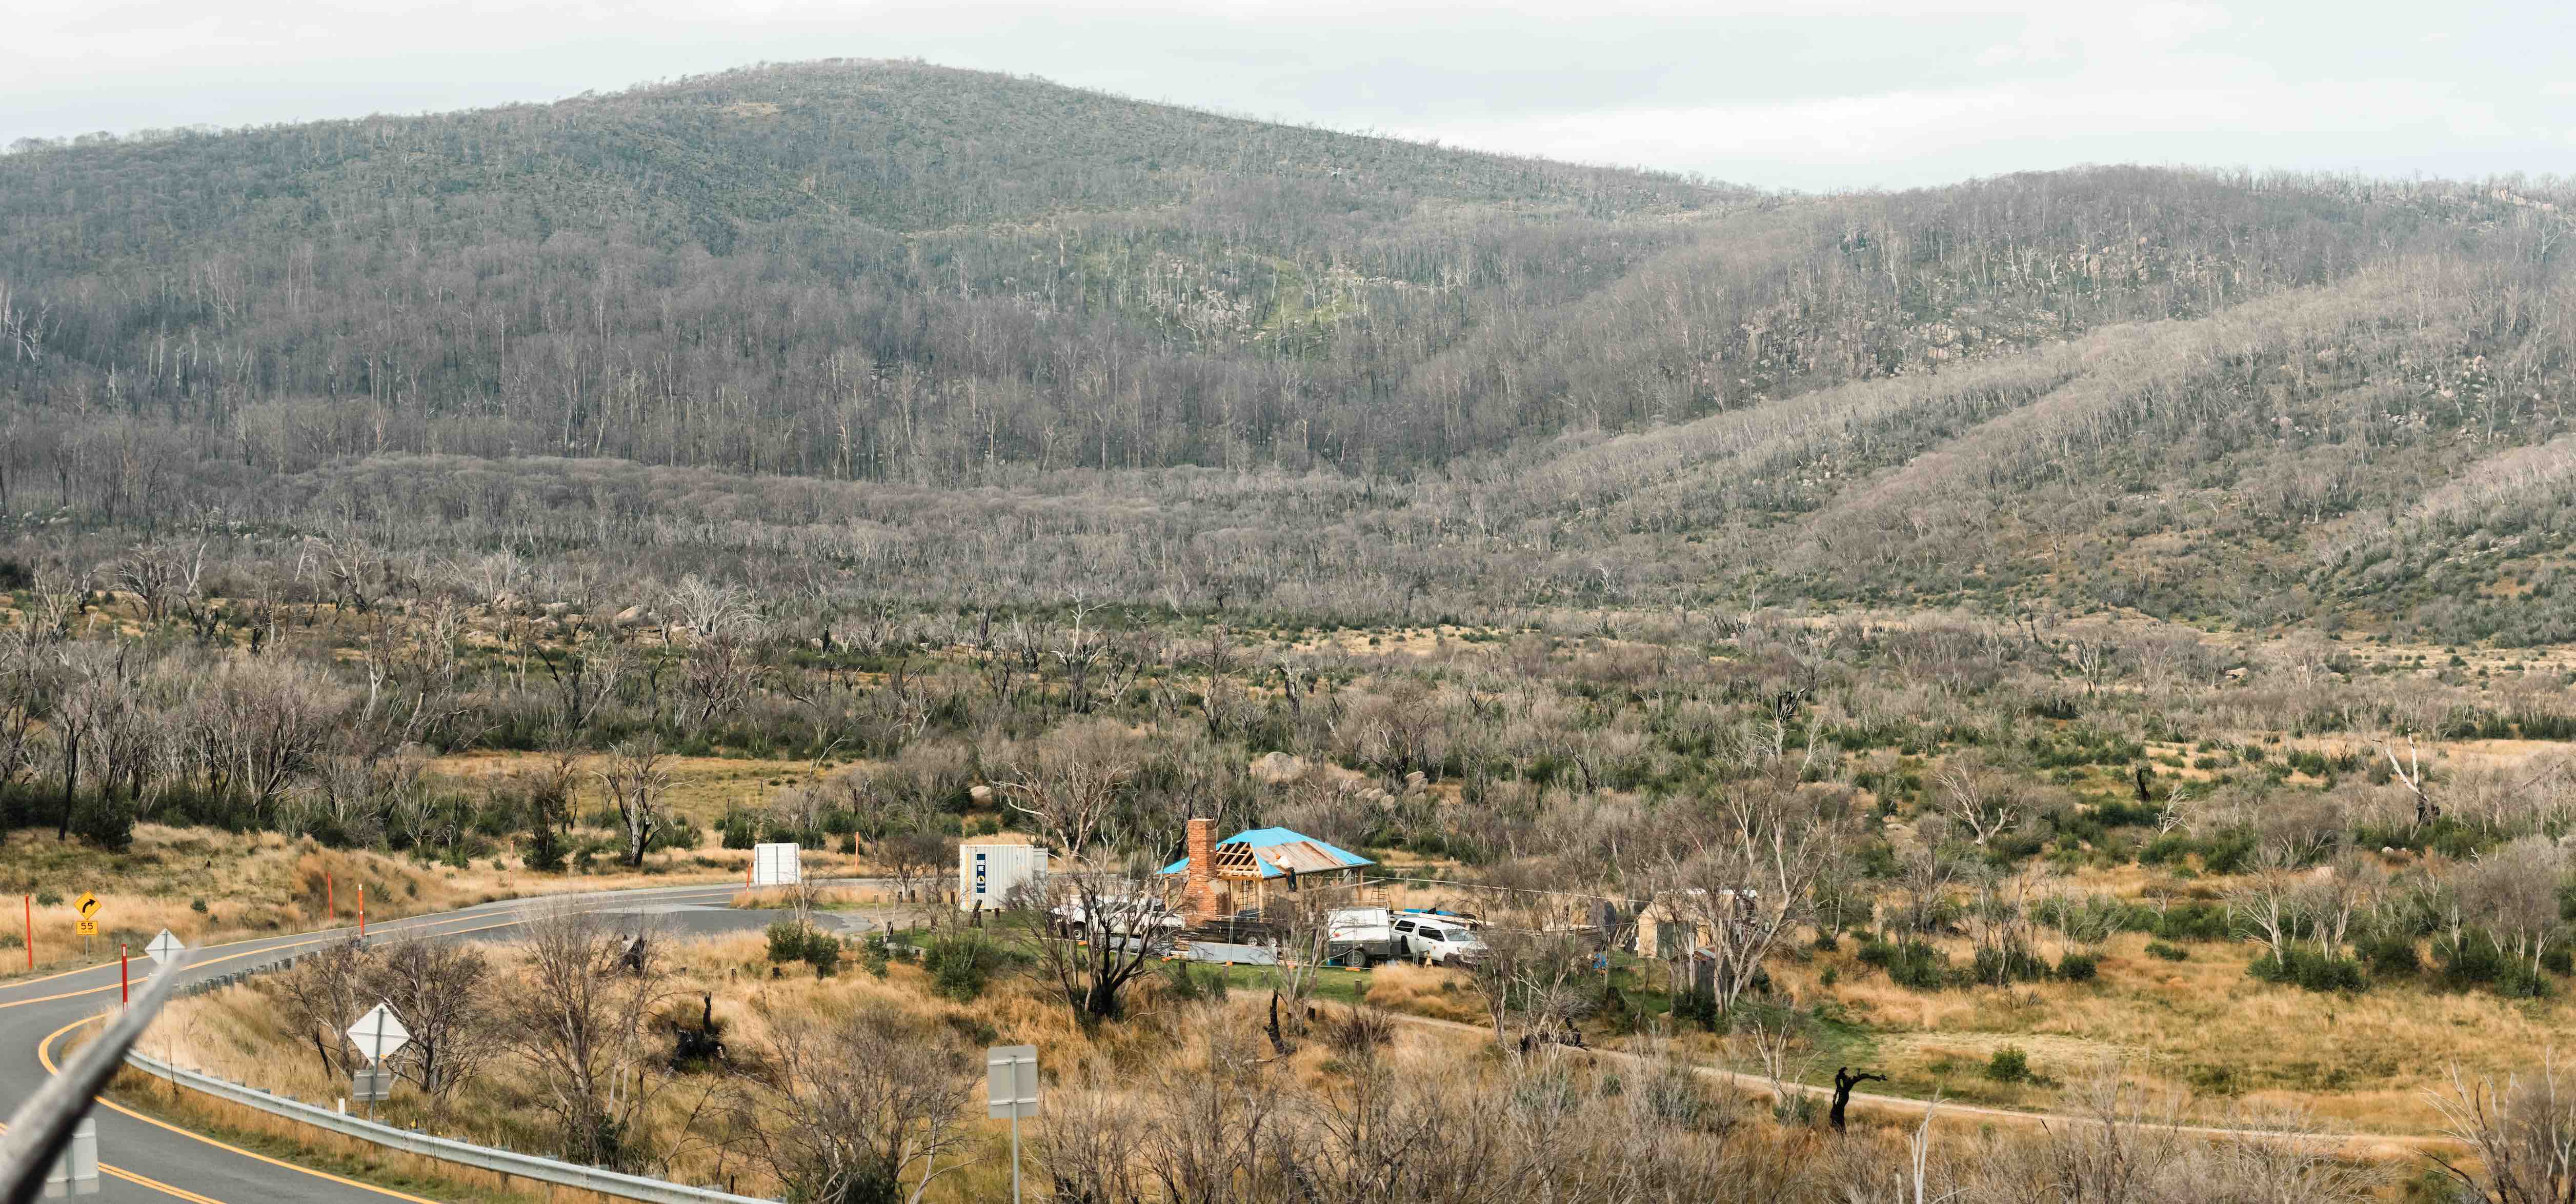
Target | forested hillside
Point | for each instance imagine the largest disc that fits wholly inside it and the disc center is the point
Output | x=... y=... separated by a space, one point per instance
x=947 y=333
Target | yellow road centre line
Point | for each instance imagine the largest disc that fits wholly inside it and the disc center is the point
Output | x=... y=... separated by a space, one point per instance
x=45 y=1054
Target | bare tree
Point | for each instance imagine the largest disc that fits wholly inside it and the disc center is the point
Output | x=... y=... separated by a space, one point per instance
x=316 y=1000
x=2523 y=1131
x=1530 y=968
x=2514 y=891
x=1979 y=799
x=443 y=992
x=712 y=610
x=2331 y=899
x=634 y=779
x=2410 y=774
x=914 y=856
x=271 y=718
x=1780 y=1046
x=1753 y=878
x=1104 y=928
x=2265 y=904
x=584 y=1029
x=865 y=1109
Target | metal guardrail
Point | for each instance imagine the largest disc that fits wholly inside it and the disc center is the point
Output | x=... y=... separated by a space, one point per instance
x=411 y=1141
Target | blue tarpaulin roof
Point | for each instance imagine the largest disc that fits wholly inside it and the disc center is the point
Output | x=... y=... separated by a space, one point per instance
x=1304 y=858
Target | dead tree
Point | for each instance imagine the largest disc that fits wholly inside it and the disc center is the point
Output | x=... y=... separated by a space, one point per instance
x=634 y=780
x=2410 y=774
x=1844 y=1081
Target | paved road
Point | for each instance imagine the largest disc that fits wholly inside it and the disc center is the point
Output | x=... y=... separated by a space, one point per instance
x=142 y=1159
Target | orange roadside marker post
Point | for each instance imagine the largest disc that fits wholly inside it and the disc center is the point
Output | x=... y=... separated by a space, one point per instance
x=330 y=901
x=124 y=978
x=362 y=911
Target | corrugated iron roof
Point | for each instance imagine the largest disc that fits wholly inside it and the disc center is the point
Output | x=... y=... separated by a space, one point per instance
x=1280 y=852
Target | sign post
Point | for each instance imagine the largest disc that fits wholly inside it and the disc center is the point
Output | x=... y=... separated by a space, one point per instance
x=1011 y=1090
x=88 y=907
x=161 y=950
x=379 y=1034
x=75 y=1171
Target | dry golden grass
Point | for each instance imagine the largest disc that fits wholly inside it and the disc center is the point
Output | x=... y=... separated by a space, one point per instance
x=701 y=788
x=254 y=884
x=1426 y=991
x=2200 y=1028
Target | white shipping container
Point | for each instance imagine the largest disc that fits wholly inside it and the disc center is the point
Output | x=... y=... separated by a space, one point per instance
x=775 y=865
x=990 y=872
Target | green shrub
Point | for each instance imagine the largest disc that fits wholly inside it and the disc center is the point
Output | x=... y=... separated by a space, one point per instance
x=1191 y=982
x=2171 y=953
x=676 y=832
x=104 y=822
x=1697 y=1006
x=2471 y=961
x=787 y=941
x=2005 y=965
x=2193 y=922
x=2309 y=970
x=2522 y=982
x=2078 y=967
x=49 y=898
x=2228 y=852
x=543 y=850
x=793 y=940
x=2392 y=956
x=1909 y=963
x=2170 y=847
x=2009 y=1065
x=961 y=966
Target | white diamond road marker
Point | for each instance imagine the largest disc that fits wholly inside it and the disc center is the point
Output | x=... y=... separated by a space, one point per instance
x=163 y=948
x=379 y=1034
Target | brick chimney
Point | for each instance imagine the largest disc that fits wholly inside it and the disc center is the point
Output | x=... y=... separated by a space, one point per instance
x=1201 y=900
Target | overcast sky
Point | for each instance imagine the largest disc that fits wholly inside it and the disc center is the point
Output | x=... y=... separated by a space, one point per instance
x=1817 y=95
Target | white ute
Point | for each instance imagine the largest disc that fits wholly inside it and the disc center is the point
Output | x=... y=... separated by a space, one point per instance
x=1438 y=941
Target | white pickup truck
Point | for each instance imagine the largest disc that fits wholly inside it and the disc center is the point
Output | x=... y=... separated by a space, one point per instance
x=1369 y=935
x=1438 y=940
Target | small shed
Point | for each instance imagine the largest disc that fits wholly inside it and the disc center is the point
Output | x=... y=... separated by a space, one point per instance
x=1676 y=923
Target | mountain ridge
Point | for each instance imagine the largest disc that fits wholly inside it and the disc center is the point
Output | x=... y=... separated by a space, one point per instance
x=1568 y=384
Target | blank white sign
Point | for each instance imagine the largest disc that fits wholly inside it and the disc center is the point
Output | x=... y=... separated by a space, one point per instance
x=1011 y=1081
